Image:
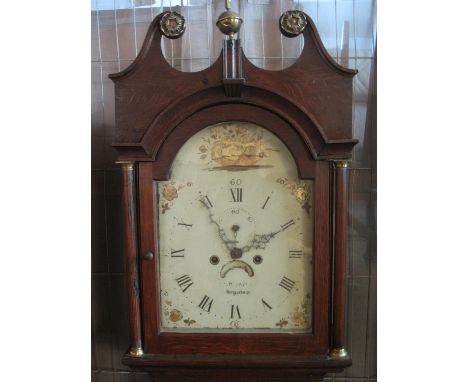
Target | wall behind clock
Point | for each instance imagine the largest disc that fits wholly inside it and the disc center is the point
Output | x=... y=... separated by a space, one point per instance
x=348 y=30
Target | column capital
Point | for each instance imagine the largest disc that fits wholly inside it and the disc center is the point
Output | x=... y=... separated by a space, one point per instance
x=126 y=164
x=342 y=163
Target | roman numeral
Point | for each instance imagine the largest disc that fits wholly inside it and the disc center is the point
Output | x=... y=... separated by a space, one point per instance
x=295 y=254
x=266 y=305
x=206 y=201
x=184 y=282
x=286 y=283
x=264 y=204
x=206 y=303
x=178 y=252
x=235 y=311
x=236 y=194
x=185 y=224
x=287 y=225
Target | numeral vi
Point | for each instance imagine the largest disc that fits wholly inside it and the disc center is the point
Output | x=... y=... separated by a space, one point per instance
x=235 y=311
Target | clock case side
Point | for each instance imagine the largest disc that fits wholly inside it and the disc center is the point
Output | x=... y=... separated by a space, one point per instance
x=308 y=106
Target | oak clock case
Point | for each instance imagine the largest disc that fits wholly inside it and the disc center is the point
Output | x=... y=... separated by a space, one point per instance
x=234 y=192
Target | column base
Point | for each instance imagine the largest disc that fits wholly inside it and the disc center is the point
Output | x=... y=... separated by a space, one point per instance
x=136 y=351
x=338 y=353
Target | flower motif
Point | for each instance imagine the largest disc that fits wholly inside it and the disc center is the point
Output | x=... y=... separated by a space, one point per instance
x=298 y=317
x=301 y=194
x=299 y=190
x=233 y=144
x=292 y=23
x=232 y=152
x=172 y=24
x=169 y=192
x=175 y=315
x=189 y=322
x=282 y=323
x=165 y=207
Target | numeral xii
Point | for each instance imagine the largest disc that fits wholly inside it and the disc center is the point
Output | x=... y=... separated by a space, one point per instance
x=236 y=194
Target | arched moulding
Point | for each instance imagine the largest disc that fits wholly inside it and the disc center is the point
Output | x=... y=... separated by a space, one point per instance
x=220 y=113
x=260 y=106
x=296 y=128
x=313 y=97
x=151 y=58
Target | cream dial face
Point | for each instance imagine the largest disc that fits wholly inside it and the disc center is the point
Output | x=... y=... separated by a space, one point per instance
x=235 y=235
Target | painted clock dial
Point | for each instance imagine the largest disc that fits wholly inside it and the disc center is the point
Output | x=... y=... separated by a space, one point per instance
x=235 y=235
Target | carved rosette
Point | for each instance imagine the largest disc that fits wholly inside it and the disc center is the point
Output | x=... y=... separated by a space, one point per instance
x=172 y=25
x=292 y=23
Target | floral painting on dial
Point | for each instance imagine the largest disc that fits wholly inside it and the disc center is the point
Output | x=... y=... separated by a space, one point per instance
x=233 y=144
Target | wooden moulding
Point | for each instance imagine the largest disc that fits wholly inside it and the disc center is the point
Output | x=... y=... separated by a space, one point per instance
x=215 y=368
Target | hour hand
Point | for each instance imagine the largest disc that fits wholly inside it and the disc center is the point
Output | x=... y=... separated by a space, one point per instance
x=205 y=200
x=221 y=233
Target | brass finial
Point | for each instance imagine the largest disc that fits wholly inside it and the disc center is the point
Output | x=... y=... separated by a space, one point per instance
x=229 y=22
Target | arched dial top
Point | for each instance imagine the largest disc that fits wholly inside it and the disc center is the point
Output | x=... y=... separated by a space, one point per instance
x=235 y=235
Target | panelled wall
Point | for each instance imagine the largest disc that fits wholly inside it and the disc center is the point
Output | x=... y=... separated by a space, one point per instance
x=348 y=30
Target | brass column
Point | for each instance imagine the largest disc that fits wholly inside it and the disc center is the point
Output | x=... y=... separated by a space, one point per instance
x=339 y=286
x=130 y=245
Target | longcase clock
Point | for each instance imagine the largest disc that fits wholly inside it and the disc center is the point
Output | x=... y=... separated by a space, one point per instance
x=235 y=202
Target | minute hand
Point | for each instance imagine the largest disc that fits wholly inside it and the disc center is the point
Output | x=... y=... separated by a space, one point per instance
x=260 y=241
